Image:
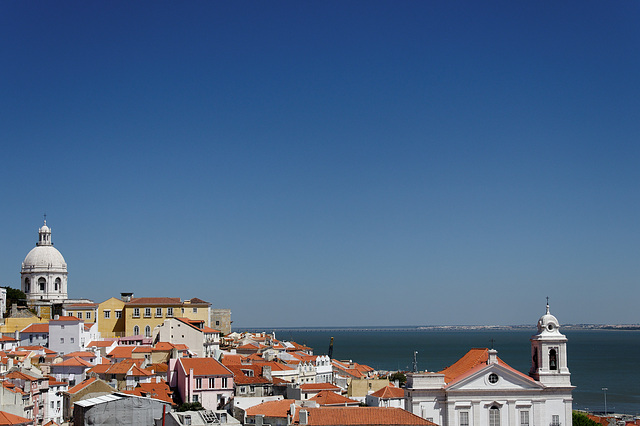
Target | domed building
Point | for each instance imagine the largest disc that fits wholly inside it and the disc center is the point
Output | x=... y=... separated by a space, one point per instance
x=44 y=272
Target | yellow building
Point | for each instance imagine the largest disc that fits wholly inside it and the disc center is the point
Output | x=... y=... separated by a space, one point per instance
x=143 y=314
x=111 y=322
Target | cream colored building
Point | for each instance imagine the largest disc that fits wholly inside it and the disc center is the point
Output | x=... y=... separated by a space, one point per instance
x=143 y=314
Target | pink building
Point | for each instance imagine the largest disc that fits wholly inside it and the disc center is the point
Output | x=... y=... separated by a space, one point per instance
x=202 y=380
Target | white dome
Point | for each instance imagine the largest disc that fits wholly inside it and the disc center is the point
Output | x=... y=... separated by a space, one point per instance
x=548 y=323
x=47 y=257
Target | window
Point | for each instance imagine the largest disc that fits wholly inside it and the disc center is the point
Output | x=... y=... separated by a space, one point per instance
x=136 y=330
x=88 y=315
x=464 y=418
x=212 y=383
x=42 y=282
x=27 y=285
x=118 y=314
x=58 y=405
x=169 y=312
x=494 y=416
x=217 y=322
x=147 y=331
x=158 y=312
x=555 y=420
x=524 y=418
x=195 y=310
x=224 y=382
x=493 y=378
x=79 y=315
x=62 y=340
x=57 y=285
x=198 y=383
x=136 y=312
x=73 y=340
x=147 y=312
x=107 y=314
x=553 y=360
x=194 y=398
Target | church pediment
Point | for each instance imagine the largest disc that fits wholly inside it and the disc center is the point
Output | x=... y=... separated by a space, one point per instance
x=494 y=377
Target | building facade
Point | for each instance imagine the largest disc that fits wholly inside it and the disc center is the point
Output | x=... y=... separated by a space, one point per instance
x=482 y=390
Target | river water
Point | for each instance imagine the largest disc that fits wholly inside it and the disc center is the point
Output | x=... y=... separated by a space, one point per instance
x=596 y=358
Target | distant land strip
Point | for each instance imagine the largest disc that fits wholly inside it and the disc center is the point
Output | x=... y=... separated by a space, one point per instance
x=444 y=328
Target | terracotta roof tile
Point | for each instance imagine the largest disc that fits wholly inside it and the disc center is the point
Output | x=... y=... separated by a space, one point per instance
x=82 y=385
x=229 y=359
x=158 y=390
x=36 y=328
x=327 y=397
x=389 y=392
x=348 y=416
x=12 y=419
x=312 y=387
x=66 y=318
x=204 y=367
x=100 y=343
x=278 y=408
x=73 y=362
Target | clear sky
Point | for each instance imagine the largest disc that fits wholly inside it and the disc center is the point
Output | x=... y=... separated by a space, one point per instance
x=329 y=163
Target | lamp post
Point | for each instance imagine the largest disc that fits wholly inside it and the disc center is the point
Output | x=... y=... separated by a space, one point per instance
x=605 y=400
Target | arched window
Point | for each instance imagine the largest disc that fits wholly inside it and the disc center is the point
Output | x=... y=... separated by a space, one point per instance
x=494 y=416
x=553 y=360
x=42 y=283
x=147 y=331
x=57 y=285
x=136 y=330
x=27 y=285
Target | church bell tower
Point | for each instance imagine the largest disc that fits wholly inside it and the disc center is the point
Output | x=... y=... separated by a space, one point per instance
x=549 y=353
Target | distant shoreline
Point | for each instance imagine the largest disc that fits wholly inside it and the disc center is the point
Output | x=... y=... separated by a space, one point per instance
x=613 y=327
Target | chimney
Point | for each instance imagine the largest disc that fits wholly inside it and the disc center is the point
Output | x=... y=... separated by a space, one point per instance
x=126 y=297
x=493 y=357
x=304 y=417
x=17 y=336
x=57 y=317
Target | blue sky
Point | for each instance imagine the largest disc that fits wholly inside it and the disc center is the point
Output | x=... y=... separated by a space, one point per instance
x=330 y=163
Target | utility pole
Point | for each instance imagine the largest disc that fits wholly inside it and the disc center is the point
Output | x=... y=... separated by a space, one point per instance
x=605 y=400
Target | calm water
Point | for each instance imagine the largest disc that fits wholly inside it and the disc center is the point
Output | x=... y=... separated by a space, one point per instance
x=597 y=358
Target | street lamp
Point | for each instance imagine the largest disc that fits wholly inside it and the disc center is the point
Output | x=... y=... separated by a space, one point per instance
x=605 y=400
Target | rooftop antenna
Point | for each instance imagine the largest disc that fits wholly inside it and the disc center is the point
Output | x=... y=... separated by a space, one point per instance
x=415 y=361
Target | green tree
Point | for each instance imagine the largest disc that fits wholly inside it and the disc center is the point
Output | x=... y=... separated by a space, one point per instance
x=15 y=296
x=190 y=406
x=400 y=377
x=581 y=419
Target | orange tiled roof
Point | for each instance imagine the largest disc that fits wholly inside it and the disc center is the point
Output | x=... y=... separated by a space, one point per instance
x=37 y=328
x=73 y=362
x=348 y=416
x=139 y=372
x=82 y=385
x=66 y=318
x=276 y=366
x=206 y=329
x=81 y=354
x=204 y=367
x=123 y=366
x=158 y=367
x=278 y=408
x=196 y=301
x=20 y=375
x=7 y=339
x=82 y=305
x=163 y=346
x=156 y=301
x=142 y=349
x=229 y=359
x=181 y=347
x=389 y=392
x=327 y=397
x=241 y=378
x=12 y=419
x=473 y=360
x=311 y=387
x=99 y=369
x=121 y=352
x=159 y=391
x=54 y=382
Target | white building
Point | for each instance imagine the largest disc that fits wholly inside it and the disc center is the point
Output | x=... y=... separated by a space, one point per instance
x=44 y=271
x=482 y=390
x=70 y=334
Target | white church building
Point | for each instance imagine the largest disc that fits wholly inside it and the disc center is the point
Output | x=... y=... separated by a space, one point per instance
x=482 y=390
